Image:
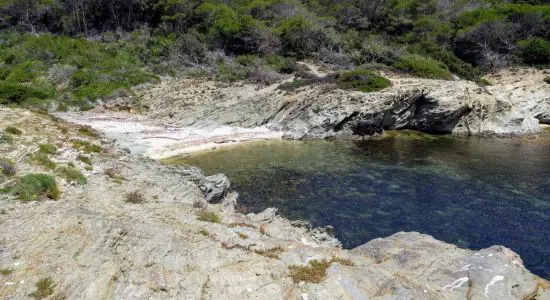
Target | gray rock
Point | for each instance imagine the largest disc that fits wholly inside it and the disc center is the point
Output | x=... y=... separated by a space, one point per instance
x=215 y=187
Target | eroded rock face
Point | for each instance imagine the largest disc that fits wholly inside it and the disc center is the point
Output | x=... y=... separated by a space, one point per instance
x=513 y=105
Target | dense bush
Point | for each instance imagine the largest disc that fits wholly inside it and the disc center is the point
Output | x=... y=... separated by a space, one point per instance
x=535 y=51
x=362 y=80
x=34 y=186
x=75 y=53
x=422 y=66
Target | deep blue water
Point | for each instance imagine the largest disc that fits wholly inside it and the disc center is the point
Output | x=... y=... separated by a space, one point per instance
x=474 y=192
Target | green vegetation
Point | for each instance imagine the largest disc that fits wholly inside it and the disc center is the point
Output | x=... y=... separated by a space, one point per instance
x=547 y=79
x=86 y=146
x=98 y=49
x=422 y=66
x=47 y=149
x=6 y=272
x=135 y=197
x=42 y=159
x=535 y=51
x=72 y=175
x=208 y=216
x=85 y=159
x=34 y=186
x=7 y=167
x=204 y=232
x=44 y=288
x=87 y=131
x=13 y=130
x=362 y=80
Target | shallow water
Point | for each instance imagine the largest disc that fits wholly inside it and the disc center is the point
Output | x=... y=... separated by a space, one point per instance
x=473 y=192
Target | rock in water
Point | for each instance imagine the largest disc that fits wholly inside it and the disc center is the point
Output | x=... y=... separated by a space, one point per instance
x=215 y=187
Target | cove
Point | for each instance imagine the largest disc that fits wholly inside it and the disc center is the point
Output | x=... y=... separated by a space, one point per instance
x=473 y=192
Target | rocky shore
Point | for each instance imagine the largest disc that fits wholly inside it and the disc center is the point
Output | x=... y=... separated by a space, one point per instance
x=182 y=116
x=183 y=236
x=186 y=240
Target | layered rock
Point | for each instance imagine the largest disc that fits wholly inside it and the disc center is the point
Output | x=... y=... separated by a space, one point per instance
x=513 y=105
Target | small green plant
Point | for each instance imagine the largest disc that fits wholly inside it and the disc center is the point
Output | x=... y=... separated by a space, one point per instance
x=42 y=159
x=87 y=131
x=47 y=149
x=135 y=197
x=208 y=216
x=85 y=159
x=362 y=80
x=13 y=130
x=72 y=175
x=342 y=261
x=6 y=272
x=44 y=288
x=547 y=79
x=421 y=66
x=7 y=167
x=274 y=252
x=204 y=232
x=34 y=186
x=6 y=139
x=86 y=146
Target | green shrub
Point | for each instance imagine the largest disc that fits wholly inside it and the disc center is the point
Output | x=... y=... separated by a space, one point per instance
x=34 y=186
x=547 y=79
x=535 y=51
x=7 y=167
x=72 y=175
x=47 y=149
x=422 y=67
x=17 y=92
x=13 y=130
x=85 y=159
x=44 y=288
x=86 y=146
x=42 y=159
x=362 y=80
x=314 y=272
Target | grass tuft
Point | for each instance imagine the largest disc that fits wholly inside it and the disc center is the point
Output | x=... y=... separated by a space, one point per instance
x=72 y=175
x=13 y=130
x=135 y=197
x=44 y=288
x=87 y=131
x=47 y=149
x=86 y=146
x=316 y=270
x=42 y=159
x=6 y=272
x=274 y=252
x=208 y=216
x=85 y=159
x=34 y=186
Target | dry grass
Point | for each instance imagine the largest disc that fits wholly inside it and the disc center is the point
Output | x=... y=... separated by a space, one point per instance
x=242 y=235
x=316 y=270
x=274 y=252
x=135 y=197
x=209 y=216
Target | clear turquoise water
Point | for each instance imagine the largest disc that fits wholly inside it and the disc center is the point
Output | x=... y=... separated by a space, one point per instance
x=474 y=192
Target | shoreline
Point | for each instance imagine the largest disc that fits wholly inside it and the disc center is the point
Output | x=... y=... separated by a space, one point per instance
x=100 y=239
